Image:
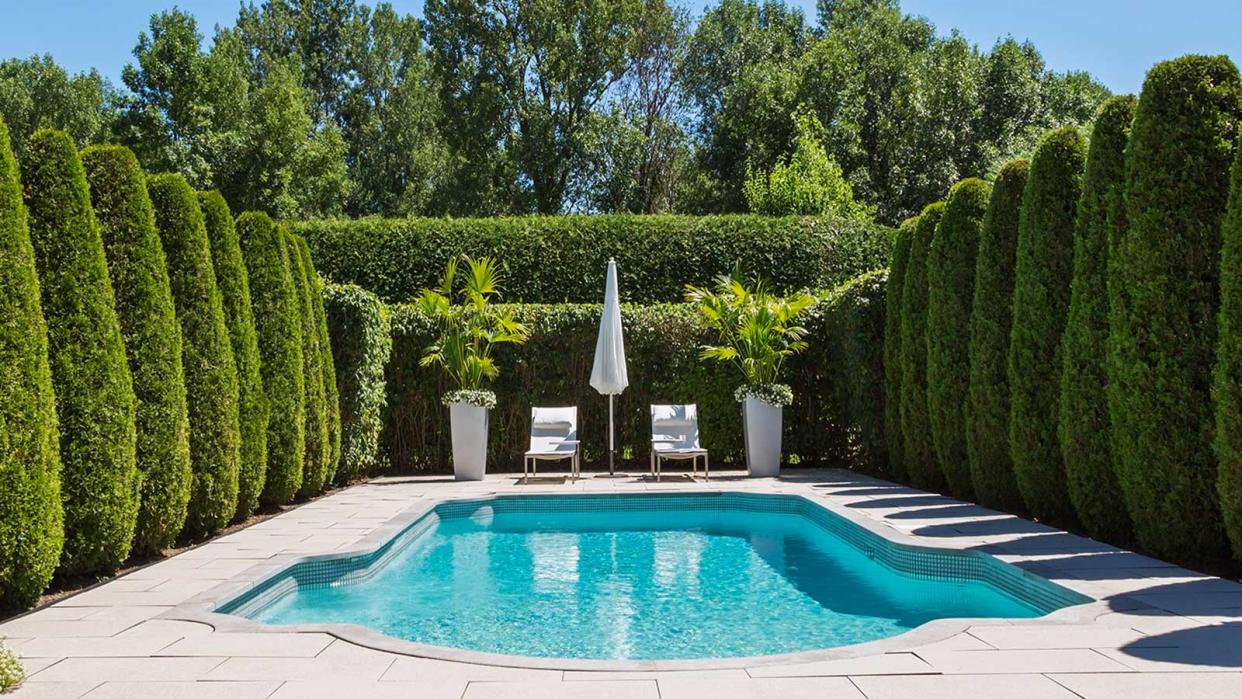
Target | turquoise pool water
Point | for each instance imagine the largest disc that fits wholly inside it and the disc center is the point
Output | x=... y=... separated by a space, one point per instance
x=642 y=577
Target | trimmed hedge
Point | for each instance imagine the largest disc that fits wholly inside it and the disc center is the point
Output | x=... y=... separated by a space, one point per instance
x=210 y=372
x=892 y=348
x=854 y=327
x=315 y=432
x=144 y=306
x=361 y=343
x=278 y=325
x=331 y=397
x=234 y=284
x=991 y=319
x=915 y=420
x=94 y=393
x=31 y=519
x=551 y=259
x=1177 y=177
x=1083 y=427
x=950 y=293
x=1227 y=390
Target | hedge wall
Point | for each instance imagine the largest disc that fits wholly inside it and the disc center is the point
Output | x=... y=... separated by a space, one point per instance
x=361 y=342
x=315 y=430
x=1041 y=292
x=1083 y=426
x=210 y=371
x=915 y=421
x=892 y=348
x=331 y=396
x=1227 y=392
x=144 y=306
x=991 y=319
x=31 y=519
x=950 y=293
x=234 y=284
x=1177 y=178
x=854 y=323
x=562 y=258
x=278 y=325
x=94 y=393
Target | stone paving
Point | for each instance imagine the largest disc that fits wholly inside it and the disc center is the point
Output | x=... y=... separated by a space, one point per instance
x=1157 y=630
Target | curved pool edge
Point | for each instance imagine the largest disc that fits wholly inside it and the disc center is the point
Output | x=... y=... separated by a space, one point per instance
x=201 y=608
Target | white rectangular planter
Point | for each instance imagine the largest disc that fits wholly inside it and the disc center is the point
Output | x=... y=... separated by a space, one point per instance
x=761 y=429
x=469 y=427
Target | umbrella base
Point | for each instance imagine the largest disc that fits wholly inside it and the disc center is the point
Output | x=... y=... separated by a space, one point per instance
x=618 y=474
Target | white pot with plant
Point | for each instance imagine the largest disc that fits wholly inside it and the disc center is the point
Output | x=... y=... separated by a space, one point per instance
x=469 y=330
x=757 y=331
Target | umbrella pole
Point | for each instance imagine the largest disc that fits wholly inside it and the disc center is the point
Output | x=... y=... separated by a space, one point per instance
x=611 y=447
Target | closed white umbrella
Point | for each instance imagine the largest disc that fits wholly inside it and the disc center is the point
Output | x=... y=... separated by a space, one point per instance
x=608 y=375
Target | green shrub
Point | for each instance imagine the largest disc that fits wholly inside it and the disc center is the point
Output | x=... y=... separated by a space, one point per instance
x=855 y=324
x=562 y=258
x=94 y=393
x=331 y=397
x=12 y=673
x=278 y=325
x=361 y=343
x=915 y=420
x=950 y=294
x=1041 y=293
x=31 y=519
x=1083 y=427
x=315 y=432
x=1168 y=271
x=892 y=348
x=991 y=319
x=210 y=372
x=234 y=284
x=144 y=306
x=1227 y=390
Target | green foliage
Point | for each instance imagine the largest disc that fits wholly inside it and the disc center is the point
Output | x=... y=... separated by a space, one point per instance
x=207 y=355
x=1227 y=389
x=915 y=420
x=991 y=320
x=854 y=324
x=36 y=93
x=950 y=293
x=315 y=432
x=1167 y=277
x=94 y=393
x=547 y=259
x=331 y=396
x=31 y=518
x=892 y=348
x=1083 y=427
x=144 y=306
x=1041 y=293
x=11 y=671
x=361 y=342
x=278 y=325
x=234 y=284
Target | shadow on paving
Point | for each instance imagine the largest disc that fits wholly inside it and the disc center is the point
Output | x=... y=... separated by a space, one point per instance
x=1217 y=646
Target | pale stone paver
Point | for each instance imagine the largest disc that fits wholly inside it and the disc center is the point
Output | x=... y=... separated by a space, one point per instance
x=1159 y=631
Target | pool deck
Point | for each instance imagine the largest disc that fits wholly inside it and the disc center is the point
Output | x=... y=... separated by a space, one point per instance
x=1157 y=630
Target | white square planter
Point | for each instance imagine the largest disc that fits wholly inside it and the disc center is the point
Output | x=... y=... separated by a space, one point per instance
x=469 y=427
x=761 y=429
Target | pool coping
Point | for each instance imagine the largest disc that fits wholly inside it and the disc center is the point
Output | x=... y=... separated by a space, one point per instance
x=200 y=608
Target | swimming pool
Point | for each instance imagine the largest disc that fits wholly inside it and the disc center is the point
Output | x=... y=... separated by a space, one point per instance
x=644 y=577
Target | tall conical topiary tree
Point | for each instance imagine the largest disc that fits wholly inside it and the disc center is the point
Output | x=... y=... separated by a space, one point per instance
x=1041 y=293
x=210 y=372
x=31 y=519
x=950 y=295
x=315 y=433
x=331 y=398
x=892 y=347
x=991 y=320
x=1083 y=428
x=94 y=392
x=1167 y=278
x=361 y=337
x=144 y=306
x=234 y=284
x=915 y=421
x=278 y=325
x=1227 y=389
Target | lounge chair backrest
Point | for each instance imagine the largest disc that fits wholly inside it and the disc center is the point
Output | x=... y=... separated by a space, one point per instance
x=675 y=427
x=553 y=429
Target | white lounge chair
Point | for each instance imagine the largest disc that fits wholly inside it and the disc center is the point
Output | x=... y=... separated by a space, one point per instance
x=553 y=436
x=675 y=435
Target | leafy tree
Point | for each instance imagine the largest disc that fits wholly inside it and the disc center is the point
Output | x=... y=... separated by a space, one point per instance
x=915 y=421
x=37 y=93
x=892 y=347
x=318 y=445
x=331 y=395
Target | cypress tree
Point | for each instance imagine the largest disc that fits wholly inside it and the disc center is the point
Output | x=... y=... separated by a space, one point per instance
x=94 y=392
x=1227 y=390
x=1163 y=342
x=234 y=284
x=144 y=307
x=991 y=319
x=1083 y=428
x=332 y=399
x=1041 y=291
x=278 y=325
x=210 y=371
x=915 y=421
x=892 y=347
x=950 y=293
x=361 y=337
x=315 y=432
x=31 y=519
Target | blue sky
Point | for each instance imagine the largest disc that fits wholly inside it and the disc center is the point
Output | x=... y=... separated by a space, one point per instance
x=1117 y=40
